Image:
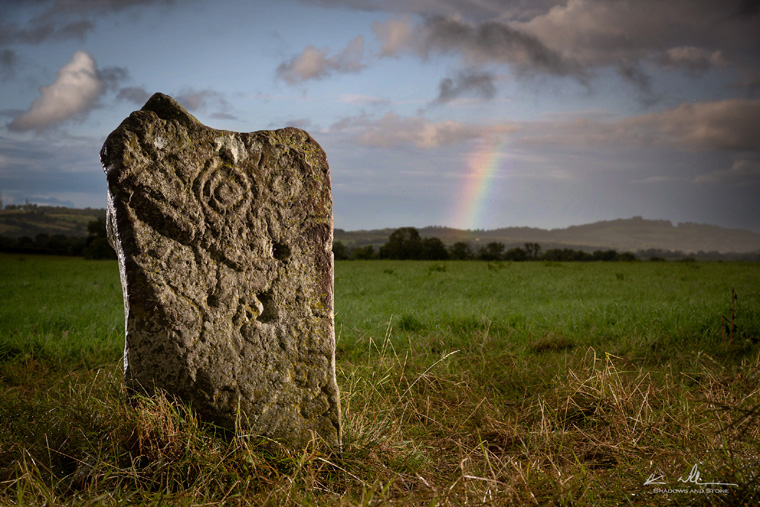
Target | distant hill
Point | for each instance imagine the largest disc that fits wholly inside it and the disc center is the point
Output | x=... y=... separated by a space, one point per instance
x=31 y=220
x=632 y=234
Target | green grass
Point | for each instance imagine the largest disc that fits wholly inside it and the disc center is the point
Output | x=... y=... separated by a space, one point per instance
x=621 y=307
x=461 y=383
x=60 y=309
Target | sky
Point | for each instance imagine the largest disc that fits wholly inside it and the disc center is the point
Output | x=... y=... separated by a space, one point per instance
x=475 y=114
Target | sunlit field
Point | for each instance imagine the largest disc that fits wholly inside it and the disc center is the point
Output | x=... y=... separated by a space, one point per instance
x=462 y=383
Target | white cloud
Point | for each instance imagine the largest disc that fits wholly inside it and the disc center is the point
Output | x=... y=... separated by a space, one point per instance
x=315 y=63
x=74 y=92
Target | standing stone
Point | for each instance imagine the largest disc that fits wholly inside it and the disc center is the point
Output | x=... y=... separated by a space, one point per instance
x=224 y=242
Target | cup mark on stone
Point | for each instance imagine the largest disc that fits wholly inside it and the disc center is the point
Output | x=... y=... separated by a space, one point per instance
x=281 y=251
x=269 y=312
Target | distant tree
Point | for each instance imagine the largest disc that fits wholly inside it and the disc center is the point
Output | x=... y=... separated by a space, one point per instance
x=532 y=250
x=627 y=257
x=59 y=244
x=25 y=242
x=433 y=249
x=566 y=255
x=516 y=254
x=6 y=244
x=41 y=241
x=605 y=255
x=403 y=243
x=363 y=253
x=493 y=251
x=556 y=255
x=97 y=245
x=460 y=251
x=340 y=252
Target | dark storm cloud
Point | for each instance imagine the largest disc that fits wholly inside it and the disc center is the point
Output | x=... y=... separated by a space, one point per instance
x=475 y=84
x=492 y=41
x=574 y=38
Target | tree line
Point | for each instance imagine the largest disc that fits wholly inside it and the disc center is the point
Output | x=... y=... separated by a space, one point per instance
x=406 y=244
x=403 y=243
x=94 y=246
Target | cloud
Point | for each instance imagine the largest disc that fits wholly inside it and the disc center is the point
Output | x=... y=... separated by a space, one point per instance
x=473 y=9
x=113 y=76
x=473 y=83
x=299 y=123
x=692 y=58
x=748 y=8
x=660 y=179
x=74 y=92
x=223 y=116
x=315 y=63
x=393 y=130
x=632 y=72
x=395 y=36
x=134 y=94
x=38 y=31
x=363 y=100
x=742 y=172
x=494 y=42
x=688 y=32
x=67 y=19
x=722 y=125
x=200 y=100
x=564 y=37
x=8 y=63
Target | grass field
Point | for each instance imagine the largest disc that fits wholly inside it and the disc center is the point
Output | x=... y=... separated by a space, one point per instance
x=462 y=383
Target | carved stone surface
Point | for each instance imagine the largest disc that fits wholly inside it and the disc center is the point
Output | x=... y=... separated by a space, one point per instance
x=224 y=242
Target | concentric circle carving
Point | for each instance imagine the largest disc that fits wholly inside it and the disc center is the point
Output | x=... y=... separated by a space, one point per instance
x=224 y=189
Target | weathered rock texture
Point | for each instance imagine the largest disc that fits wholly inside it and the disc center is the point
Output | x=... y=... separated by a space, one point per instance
x=224 y=243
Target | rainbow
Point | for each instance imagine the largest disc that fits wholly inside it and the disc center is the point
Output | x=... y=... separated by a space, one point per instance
x=482 y=165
